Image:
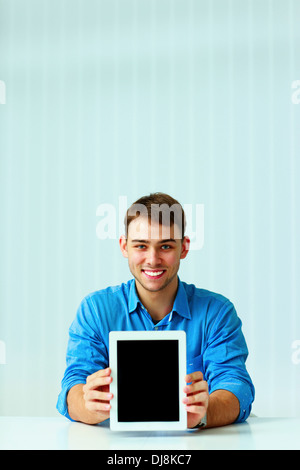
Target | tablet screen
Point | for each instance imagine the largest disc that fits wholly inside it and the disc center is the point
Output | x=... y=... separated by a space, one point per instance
x=153 y=367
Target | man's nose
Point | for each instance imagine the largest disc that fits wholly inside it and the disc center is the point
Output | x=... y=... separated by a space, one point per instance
x=153 y=257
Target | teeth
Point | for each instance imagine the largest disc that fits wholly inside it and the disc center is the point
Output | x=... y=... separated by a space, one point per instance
x=153 y=274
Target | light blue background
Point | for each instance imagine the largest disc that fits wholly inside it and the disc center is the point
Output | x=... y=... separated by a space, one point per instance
x=115 y=98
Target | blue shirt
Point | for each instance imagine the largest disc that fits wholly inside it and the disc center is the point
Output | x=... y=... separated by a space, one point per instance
x=215 y=342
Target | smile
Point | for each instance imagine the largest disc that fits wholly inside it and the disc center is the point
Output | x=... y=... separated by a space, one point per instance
x=153 y=274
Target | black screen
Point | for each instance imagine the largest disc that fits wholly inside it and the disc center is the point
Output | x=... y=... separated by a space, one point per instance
x=148 y=380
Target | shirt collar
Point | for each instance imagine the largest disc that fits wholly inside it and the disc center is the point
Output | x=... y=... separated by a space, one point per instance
x=180 y=306
x=133 y=299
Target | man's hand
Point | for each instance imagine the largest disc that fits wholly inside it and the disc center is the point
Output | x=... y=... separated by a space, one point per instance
x=197 y=397
x=89 y=402
x=96 y=392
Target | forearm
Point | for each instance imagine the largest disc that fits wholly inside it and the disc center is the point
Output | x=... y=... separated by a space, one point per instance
x=77 y=409
x=223 y=408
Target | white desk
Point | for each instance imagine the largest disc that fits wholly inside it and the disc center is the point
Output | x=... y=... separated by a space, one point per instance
x=59 y=433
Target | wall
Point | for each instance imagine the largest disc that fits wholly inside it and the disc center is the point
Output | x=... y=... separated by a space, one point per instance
x=104 y=101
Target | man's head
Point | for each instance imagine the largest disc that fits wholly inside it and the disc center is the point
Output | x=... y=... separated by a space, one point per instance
x=155 y=241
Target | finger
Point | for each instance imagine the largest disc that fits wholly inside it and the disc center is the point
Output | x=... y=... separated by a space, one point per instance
x=98 y=382
x=97 y=395
x=196 y=387
x=198 y=409
x=199 y=398
x=100 y=373
x=197 y=375
x=96 y=405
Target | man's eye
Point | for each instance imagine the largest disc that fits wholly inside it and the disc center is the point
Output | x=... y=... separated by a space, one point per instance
x=140 y=247
x=165 y=247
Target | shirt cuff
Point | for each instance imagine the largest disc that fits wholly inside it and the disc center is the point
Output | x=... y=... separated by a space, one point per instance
x=61 y=405
x=244 y=394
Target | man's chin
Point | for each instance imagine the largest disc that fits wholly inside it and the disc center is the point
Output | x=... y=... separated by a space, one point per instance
x=150 y=285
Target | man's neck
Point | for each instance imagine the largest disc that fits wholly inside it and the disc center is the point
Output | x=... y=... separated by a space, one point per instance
x=159 y=303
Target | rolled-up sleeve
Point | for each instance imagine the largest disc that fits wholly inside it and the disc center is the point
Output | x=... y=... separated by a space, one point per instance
x=86 y=352
x=224 y=359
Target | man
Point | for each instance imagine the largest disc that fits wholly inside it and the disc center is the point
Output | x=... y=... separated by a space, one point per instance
x=218 y=388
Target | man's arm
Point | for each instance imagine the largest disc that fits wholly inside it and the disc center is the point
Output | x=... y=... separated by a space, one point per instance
x=221 y=406
x=89 y=403
x=224 y=365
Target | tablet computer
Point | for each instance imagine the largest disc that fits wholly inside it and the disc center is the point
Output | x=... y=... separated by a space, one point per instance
x=148 y=370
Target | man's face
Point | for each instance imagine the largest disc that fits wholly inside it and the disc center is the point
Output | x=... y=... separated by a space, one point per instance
x=153 y=254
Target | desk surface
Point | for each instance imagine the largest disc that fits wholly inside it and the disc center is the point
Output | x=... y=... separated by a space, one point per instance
x=59 y=433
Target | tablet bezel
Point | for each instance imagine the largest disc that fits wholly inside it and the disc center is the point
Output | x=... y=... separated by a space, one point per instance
x=114 y=337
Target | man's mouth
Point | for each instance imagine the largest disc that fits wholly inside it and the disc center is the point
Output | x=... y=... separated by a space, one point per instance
x=153 y=273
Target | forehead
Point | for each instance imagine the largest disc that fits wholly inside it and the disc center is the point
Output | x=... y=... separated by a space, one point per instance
x=142 y=228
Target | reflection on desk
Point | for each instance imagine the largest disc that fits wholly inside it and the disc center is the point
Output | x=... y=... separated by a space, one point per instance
x=59 y=433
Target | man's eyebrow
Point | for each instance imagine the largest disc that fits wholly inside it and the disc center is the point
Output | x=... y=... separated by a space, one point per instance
x=168 y=240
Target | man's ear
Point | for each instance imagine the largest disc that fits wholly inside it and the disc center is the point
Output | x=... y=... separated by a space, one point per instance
x=123 y=245
x=185 y=247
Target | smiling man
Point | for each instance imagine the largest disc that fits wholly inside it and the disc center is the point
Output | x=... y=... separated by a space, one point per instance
x=218 y=388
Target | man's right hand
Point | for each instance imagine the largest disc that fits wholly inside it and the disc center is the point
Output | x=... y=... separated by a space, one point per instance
x=89 y=403
x=96 y=392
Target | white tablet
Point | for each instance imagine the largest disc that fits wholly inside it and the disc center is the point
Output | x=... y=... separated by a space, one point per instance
x=148 y=370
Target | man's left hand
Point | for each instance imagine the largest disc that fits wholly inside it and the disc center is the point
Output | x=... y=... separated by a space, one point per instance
x=197 y=398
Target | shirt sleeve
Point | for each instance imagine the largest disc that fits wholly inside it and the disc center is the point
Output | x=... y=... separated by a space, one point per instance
x=224 y=359
x=86 y=352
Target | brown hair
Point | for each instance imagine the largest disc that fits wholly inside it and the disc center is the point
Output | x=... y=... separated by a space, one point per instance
x=159 y=207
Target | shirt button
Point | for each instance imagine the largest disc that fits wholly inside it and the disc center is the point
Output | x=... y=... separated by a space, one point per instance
x=156 y=327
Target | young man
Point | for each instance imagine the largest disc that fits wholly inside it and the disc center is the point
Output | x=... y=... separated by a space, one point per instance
x=218 y=388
